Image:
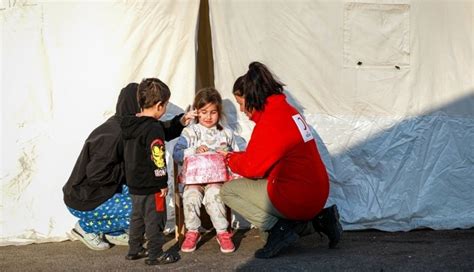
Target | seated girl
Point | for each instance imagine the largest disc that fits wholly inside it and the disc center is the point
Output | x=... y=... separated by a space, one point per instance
x=205 y=138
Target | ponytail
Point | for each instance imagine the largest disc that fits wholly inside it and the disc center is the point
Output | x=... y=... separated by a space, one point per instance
x=256 y=85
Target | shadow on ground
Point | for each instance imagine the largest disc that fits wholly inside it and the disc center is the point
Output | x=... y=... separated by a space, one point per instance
x=421 y=250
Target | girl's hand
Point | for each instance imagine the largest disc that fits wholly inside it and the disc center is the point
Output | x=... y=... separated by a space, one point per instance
x=164 y=192
x=188 y=116
x=202 y=149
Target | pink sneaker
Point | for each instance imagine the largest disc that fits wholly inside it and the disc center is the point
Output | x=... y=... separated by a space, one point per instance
x=191 y=238
x=225 y=241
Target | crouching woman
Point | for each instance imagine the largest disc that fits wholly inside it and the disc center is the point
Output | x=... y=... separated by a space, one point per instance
x=285 y=185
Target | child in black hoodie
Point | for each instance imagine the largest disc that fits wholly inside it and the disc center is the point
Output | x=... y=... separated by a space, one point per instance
x=145 y=169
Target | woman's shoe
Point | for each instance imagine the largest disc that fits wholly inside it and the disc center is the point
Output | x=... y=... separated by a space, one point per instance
x=118 y=240
x=327 y=222
x=91 y=240
x=280 y=237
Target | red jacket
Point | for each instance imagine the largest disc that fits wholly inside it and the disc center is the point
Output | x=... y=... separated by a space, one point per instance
x=297 y=179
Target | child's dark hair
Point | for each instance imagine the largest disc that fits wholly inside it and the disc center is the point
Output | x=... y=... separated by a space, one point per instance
x=209 y=95
x=256 y=85
x=151 y=91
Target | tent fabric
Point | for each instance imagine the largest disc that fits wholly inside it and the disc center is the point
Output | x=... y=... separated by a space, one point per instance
x=63 y=65
x=386 y=45
x=388 y=87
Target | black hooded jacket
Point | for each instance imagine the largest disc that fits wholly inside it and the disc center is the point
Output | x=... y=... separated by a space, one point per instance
x=99 y=171
x=144 y=152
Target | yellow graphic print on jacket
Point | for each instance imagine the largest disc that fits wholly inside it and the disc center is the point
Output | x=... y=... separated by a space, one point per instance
x=158 y=157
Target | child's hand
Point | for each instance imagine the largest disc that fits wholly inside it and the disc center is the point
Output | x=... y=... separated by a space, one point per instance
x=188 y=116
x=223 y=147
x=202 y=149
x=164 y=192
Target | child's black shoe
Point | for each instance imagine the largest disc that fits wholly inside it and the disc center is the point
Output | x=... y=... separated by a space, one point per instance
x=165 y=258
x=141 y=254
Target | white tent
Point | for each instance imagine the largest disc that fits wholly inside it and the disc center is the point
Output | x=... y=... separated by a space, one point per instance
x=388 y=87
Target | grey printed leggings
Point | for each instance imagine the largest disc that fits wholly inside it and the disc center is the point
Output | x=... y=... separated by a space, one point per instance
x=209 y=195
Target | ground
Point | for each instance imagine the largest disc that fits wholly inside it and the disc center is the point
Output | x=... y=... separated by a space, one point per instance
x=421 y=250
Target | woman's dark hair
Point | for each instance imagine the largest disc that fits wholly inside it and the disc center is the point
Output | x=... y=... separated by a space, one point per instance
x=256 y=85
x=151 y=91
x=208 y=95
x=238 y=86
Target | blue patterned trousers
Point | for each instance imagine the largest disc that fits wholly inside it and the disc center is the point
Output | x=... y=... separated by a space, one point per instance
x=111 y=217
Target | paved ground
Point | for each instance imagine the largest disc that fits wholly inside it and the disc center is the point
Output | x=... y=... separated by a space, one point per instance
x=423 y=250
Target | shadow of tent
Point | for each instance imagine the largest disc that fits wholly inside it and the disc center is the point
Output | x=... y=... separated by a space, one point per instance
x=231 y=120
x=413 y=174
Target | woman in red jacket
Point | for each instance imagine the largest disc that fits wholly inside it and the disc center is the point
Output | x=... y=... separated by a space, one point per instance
x=286 y=184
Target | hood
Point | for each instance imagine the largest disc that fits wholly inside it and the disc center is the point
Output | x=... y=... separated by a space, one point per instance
x=133 y=126
x=127 y=103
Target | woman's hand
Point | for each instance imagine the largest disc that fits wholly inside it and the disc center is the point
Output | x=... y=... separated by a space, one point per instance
x=202 y=149
x=222 y=152
x=188 y=116
x=226 y=155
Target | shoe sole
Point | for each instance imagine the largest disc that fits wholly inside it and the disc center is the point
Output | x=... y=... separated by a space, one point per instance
x=117 y=243
x=79 y=236
x=162 y=260
x=137 y=256
x=192 y=249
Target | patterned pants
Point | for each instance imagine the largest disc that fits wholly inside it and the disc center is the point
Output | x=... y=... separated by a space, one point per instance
x=112 y=216
x=196 y=195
